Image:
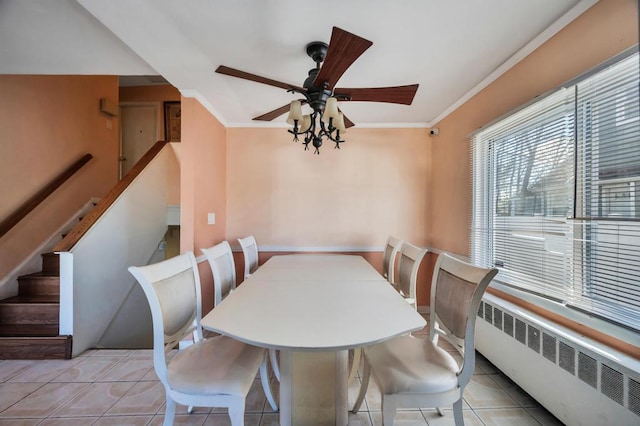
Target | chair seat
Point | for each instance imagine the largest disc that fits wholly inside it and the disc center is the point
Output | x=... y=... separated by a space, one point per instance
x=409 y=364
x=217 y=365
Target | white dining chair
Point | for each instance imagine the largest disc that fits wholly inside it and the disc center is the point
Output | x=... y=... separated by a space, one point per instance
x=213 y=372
x=389 y=258
x=223 y=268
x=413 y=371
x=250 y=252
x=408 y=265
x=391 y=250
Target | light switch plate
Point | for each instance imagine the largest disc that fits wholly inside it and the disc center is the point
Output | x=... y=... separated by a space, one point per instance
x=211 y=218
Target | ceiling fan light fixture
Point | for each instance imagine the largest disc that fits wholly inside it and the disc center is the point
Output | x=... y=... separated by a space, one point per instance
x=339 y=123
x=331 y=111
x=313 y=127
x=305 y=124
x=295 y=113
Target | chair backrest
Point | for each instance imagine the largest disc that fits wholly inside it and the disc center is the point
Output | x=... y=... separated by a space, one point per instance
x=223 y=269
x=389 y=260
x=456 y=290
x=172 y=288
x=250 y=252
x=408 y=265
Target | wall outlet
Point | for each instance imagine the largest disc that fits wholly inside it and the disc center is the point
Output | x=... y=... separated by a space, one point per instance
x=211 y=218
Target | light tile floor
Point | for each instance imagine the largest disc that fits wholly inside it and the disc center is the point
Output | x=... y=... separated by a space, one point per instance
x=119 y=387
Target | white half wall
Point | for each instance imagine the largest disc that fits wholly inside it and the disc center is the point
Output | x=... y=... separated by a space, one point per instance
x=107 y=301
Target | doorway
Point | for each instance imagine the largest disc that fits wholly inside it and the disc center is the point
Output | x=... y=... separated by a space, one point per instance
x=139 y=126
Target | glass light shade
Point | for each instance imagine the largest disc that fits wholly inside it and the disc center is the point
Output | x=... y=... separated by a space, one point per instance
x=304 y=124
x=330 y=110
x=339 y=123
x=295 y=113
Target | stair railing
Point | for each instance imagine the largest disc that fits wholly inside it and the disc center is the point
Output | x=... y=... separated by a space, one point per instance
x=87 y=222
x=21 y=212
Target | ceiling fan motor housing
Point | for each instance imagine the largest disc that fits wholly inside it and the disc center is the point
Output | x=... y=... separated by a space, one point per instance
x=317 y=50
x=317 y=96
x=318 y=99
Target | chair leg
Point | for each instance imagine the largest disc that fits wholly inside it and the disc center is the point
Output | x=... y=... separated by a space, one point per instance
x=274 y=363
x=355 y=363
x=389 y=408
x=366 y=373
x=236 y=412
x=457 y=413
x=170 y=411
x=266 y=386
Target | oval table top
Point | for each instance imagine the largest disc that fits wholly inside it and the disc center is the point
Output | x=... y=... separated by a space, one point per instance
x=314 y=303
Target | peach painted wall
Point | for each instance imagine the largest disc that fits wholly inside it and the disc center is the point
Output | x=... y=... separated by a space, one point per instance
x=374 y=186
x=159 y=93
x=203 y=171
x=47 y=123
x=607 y=28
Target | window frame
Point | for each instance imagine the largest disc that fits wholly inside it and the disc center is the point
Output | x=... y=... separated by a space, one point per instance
x=482 y=247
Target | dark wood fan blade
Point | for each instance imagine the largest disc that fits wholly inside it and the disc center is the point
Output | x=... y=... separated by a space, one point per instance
x=347 y=123
x=258 y=79
x=344 y=49
x=276 y=112
x=395 y=95
x=273 y=114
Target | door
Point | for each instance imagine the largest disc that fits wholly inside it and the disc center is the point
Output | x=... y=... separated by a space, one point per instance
x=139 y=133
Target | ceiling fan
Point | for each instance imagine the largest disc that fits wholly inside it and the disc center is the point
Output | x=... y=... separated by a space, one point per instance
x=320 y=93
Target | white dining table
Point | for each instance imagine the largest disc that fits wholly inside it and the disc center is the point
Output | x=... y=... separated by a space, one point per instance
x=313 y=308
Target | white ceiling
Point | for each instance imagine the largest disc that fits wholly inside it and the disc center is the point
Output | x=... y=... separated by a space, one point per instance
x=451 y=48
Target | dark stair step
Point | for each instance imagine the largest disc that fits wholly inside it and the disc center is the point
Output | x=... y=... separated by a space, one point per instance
x=50 y=263
x=57 y=347
x=29 y=316
x=39 y=284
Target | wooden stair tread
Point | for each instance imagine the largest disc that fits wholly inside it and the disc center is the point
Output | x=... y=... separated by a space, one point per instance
x=51 y=263
x=29 y=330
x=40 y=274
x=37 y=299
x=21 y=315
x=39 y=284
x=29 y=322
x=51 y=347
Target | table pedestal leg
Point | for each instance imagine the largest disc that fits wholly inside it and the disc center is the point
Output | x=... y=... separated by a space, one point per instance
x=313 y=388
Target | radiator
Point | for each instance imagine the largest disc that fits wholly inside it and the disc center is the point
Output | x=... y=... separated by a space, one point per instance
x=577 y=380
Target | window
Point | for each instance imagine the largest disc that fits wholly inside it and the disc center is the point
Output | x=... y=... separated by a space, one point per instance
x=557 y=195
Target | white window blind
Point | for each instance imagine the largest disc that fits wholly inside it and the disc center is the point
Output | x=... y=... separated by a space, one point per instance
x=557 y=195
x=607 y=227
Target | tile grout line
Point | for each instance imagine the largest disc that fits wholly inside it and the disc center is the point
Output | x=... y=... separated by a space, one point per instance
x=492 y=374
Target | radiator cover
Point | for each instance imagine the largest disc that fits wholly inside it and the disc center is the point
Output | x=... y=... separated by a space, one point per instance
x=576 y=379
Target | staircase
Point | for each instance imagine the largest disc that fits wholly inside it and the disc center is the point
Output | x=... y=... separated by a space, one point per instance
x=29 y=321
